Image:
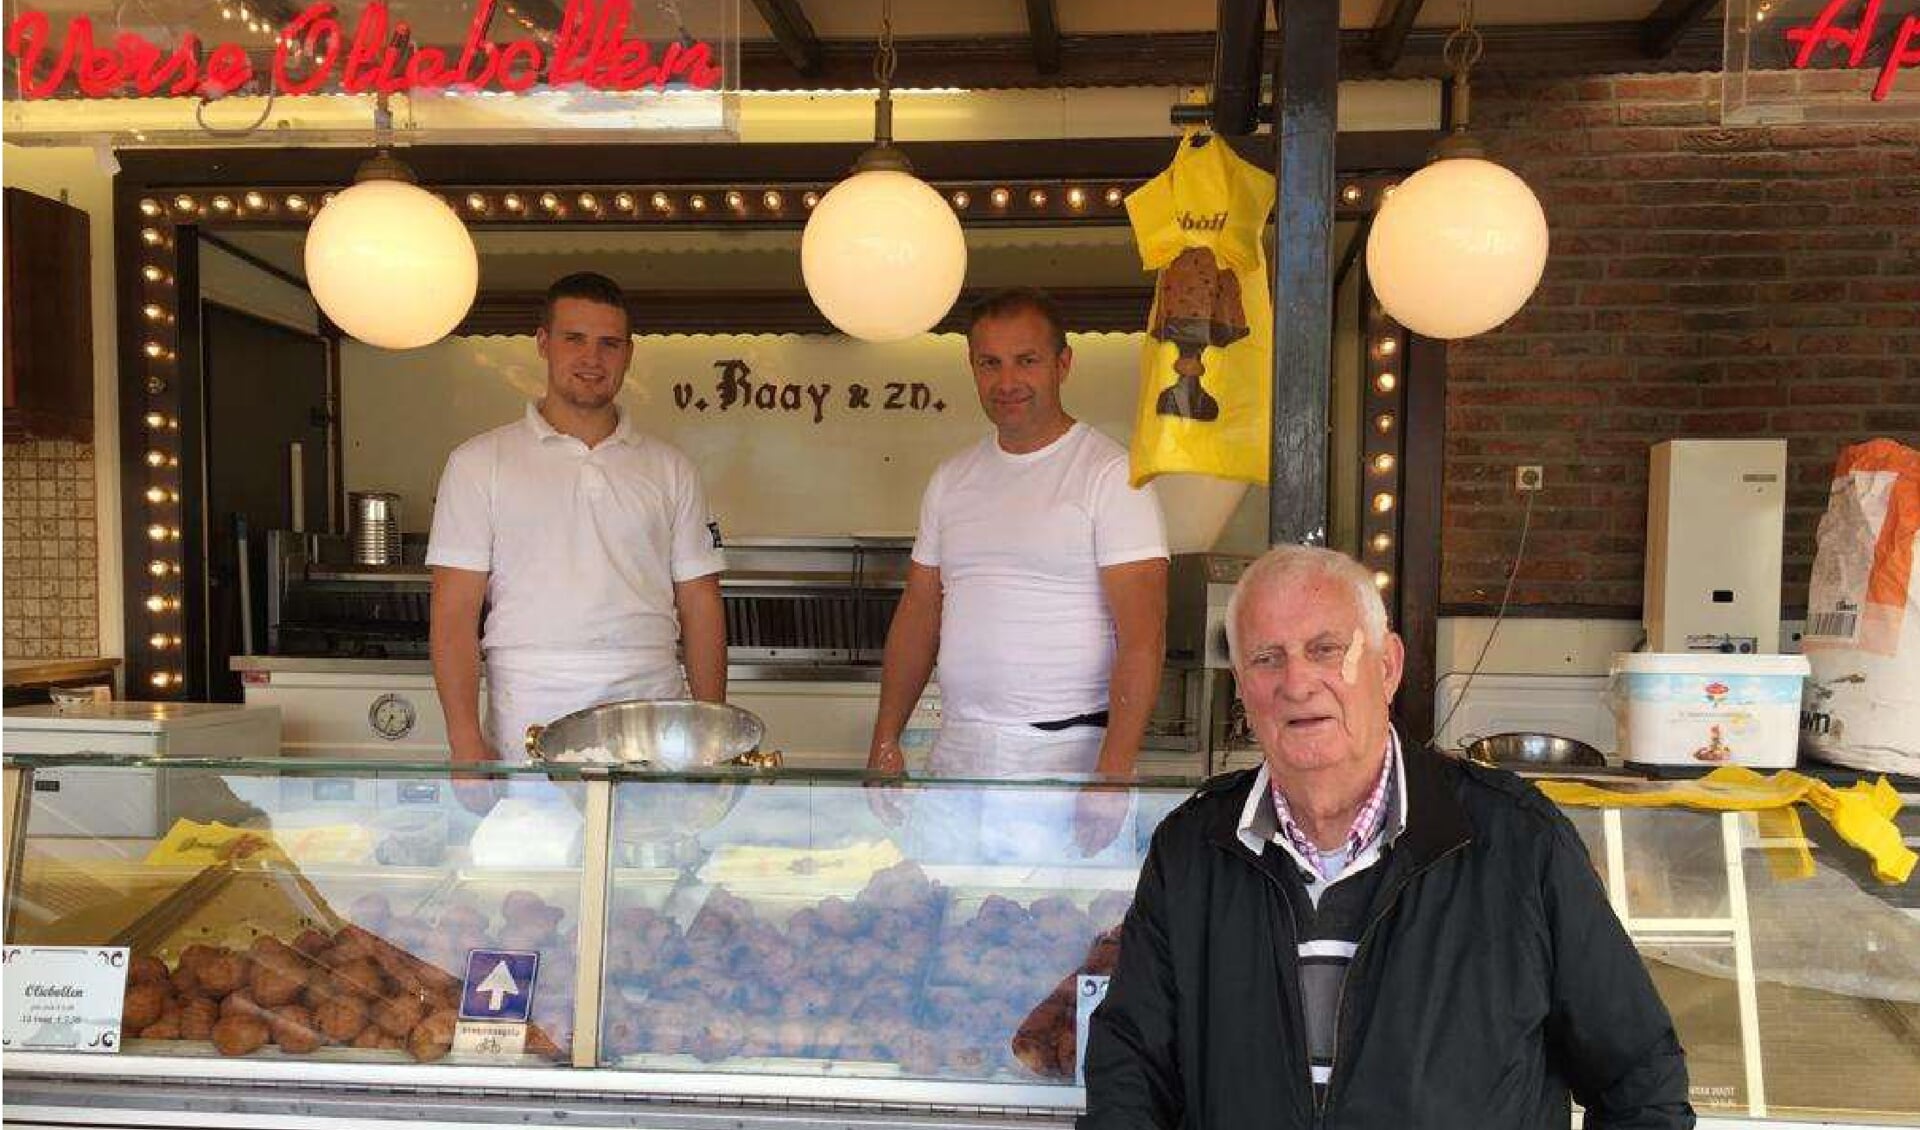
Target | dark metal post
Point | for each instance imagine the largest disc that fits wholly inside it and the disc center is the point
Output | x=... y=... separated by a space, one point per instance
x=1306 y=77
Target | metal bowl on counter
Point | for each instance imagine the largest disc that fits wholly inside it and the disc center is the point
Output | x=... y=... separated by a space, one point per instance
x=1534 y=751
x=665 y=737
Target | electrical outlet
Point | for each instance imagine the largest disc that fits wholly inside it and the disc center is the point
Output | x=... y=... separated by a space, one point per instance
x=1529 y=477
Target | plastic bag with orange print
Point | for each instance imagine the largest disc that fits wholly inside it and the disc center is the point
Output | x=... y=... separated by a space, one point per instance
x=1862 y=704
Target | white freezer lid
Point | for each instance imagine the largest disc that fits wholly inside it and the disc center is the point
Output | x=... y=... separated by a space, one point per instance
x=136 y=717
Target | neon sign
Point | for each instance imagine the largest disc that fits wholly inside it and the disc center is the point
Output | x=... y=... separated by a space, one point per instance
x=1856 y=41
x=318 y=51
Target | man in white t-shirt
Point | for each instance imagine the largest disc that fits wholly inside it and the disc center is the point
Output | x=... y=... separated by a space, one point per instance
x=1038 y=581
x=588 y=543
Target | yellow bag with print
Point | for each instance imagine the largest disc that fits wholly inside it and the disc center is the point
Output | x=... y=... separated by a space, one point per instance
x=1206 y=382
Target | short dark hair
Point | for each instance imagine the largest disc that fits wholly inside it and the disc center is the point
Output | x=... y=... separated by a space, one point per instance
x=592 y=287
x=1019 y=300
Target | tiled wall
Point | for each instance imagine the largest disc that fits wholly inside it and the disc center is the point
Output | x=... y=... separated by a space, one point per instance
x=51 y=593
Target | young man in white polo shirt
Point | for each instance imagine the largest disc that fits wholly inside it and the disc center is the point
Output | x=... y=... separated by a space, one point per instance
x=589 y=544
x=1039 y=582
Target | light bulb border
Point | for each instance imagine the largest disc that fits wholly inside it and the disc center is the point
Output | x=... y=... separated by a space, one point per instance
x=150 y=243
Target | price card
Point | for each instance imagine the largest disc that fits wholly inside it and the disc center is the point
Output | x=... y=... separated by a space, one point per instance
x=1088 y=991
x=63 y=998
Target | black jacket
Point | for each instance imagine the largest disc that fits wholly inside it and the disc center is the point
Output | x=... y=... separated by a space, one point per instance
x=1492 y=979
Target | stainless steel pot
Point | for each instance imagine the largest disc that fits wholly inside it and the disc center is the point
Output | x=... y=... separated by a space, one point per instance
x=663 y=737
x=1534 y=751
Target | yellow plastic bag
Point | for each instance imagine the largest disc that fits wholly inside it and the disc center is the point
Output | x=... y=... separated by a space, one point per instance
x=1861 y=814
x=1205 y=371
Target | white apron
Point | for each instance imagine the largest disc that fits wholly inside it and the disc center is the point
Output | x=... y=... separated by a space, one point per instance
x=534 y=688
x=1007 y=824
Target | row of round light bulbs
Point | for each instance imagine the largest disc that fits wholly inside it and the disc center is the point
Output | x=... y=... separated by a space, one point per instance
x=739 y=202
x=1384 y=384
x=772 y=200
x=162 y=496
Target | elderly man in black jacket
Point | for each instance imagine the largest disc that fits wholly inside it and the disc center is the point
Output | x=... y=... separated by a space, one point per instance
x=1363 y=934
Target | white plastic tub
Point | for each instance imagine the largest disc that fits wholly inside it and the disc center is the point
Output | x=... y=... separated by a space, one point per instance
x=1705 y=709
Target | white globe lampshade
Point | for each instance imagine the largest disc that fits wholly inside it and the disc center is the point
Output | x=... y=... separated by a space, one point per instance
x=391 y=264
x=883 y=256
x=1457 y=248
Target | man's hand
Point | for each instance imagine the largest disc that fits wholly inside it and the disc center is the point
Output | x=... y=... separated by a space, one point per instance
x=1098 y=816
x=477 y=792
x=888 y=800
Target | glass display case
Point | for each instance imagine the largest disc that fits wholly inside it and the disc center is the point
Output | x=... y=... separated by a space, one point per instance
x=824 y=943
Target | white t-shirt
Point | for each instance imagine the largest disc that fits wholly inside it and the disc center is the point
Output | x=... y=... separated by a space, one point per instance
x=1025 y=632
x=582 y=546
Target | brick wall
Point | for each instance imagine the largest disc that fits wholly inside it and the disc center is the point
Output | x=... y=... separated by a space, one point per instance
x=1703 y=282
x=51 y=596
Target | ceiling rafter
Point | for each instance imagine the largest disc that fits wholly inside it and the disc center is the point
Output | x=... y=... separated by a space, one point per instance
x=794 y=34
x=1673 y=19
x=1043 y=27
x=1391 y=29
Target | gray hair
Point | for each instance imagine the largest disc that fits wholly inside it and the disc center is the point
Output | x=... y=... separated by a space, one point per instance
x=1284 y=566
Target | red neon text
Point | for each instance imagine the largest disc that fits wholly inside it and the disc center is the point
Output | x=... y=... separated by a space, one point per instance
x=1825 y=31
x=317 y=52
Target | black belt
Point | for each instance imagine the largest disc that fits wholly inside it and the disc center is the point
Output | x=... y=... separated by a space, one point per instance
x=1098 y=718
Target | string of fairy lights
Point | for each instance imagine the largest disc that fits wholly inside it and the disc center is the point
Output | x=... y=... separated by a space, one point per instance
x=162 y=664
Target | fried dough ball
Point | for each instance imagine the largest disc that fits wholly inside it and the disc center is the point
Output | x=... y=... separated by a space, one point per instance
x=146 y=969
x=541 y=1044
x=368 y=1038
x=351 y=944
x=198 y=1015
x=526 y=936
x=358 y=978
x=241 y=1003
x=397 y=1016
x=318 y=989
x=240 y=1035
x=1110 y=908
x=165 y=1028
x=432 y=1038
x=185 y=980
x=294 y=1030
x=312 y=942
x=460 y=919
x=521 y=904
x=221 y=972
x=341 y=1019
x=718 y=1036
x=272 y=985
x=144 y=1004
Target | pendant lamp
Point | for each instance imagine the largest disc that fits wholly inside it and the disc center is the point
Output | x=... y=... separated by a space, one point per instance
x=883 y=255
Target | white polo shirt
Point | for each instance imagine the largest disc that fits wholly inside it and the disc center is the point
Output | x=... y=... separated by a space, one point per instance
x=582 y=546
x=1025 y=632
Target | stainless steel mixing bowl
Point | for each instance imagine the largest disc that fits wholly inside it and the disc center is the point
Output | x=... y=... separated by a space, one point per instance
x=1534 y=751
x=659 y=737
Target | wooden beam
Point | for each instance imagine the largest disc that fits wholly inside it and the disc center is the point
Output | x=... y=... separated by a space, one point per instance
x=794 y=34
x=1043 y=27
x=1306 y=80
x=1239 y=44
x=1662 y=31
x=1119 y=309
x=1391 y=29
x=1422 y=498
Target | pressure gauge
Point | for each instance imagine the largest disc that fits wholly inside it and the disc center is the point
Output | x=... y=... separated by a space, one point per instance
x=391 y=717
